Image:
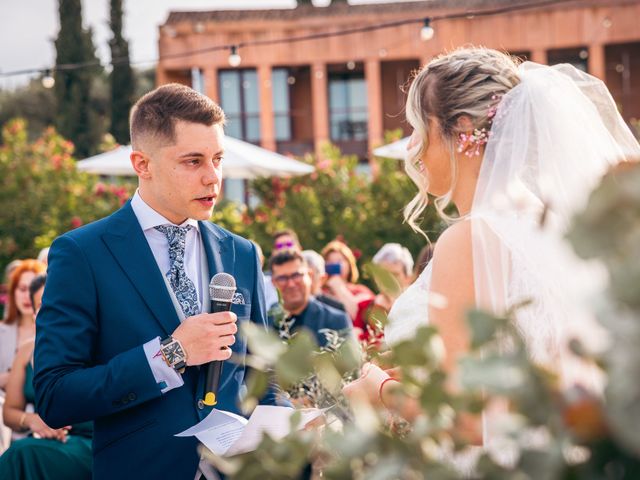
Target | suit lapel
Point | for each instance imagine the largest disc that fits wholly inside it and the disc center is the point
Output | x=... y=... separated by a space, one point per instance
x=218 y=245
x=126 y=241
x=221 y=257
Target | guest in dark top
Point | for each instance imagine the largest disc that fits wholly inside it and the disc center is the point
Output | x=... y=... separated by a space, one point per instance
x=47 y=453
x=290 y=275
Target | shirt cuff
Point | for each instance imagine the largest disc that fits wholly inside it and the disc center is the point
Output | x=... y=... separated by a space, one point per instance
x=166 y=377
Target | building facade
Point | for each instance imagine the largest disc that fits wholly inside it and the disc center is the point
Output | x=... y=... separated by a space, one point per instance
x=348 y=89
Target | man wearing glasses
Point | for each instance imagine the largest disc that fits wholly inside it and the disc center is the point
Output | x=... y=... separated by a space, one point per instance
x=290 y=275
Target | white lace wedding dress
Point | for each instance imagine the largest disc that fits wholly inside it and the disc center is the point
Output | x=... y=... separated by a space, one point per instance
x=410 y=310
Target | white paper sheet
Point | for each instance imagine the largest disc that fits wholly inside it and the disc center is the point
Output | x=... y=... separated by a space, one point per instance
x=226 y=434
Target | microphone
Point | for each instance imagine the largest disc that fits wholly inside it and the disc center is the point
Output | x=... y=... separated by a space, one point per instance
x=221 y=290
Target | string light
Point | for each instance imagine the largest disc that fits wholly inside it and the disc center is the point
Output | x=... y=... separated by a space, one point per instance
x=47 y=80
x=426 y=32
x=234 y=57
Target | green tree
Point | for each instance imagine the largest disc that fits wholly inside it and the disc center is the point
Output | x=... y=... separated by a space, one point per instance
x=33 y=102
x=43 y=195
x=76 y=119
x=121 y=78
x=145 y=81
x=336 y=201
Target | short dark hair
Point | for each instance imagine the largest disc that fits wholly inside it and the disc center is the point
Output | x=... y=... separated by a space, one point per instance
x=285 y=231
x=155 y=113
x=285 y=256
x=36 y=284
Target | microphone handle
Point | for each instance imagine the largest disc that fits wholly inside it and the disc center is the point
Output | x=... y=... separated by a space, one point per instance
x=214 y=369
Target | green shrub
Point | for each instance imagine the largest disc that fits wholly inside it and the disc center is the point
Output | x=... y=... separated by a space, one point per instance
x=43 y=195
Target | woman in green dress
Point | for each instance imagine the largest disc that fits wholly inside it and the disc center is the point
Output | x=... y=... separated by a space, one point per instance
x=46 y=453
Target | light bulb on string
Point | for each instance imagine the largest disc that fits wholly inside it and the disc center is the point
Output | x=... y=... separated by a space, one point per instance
x=426 y=32
x=47 y=80
x=234 y=57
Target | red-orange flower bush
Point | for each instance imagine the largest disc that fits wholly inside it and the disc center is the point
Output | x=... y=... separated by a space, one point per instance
x=42 y=194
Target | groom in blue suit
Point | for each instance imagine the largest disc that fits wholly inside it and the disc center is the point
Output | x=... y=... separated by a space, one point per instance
x=124 y=330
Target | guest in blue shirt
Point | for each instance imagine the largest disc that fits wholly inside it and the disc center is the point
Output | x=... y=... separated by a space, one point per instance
x=290 y=275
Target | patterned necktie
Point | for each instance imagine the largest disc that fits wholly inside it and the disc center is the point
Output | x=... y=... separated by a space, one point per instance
x=181 y=284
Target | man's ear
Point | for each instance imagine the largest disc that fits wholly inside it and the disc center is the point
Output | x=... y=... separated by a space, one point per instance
x=140 y=164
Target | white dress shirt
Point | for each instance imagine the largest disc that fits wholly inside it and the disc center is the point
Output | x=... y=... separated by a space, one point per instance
x=166 y=377
x=148 y=218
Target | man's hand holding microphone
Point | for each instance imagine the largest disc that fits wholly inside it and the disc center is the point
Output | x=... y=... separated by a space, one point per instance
x=207 y=337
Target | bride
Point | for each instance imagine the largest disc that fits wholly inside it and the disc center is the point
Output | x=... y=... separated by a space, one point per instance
x=516 y=149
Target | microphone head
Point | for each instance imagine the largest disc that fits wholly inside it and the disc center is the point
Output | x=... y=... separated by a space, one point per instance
x=222 y=287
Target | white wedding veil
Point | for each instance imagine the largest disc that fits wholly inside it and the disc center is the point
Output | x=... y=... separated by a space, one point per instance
x=554 y=135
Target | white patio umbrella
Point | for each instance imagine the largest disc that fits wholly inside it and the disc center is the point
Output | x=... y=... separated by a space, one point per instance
x=242 y=160
x=397 y=149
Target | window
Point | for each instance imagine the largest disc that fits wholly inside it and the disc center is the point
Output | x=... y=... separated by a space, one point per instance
x=578 y=57
x=348 y=106
x=240 y=100
x=280 y=79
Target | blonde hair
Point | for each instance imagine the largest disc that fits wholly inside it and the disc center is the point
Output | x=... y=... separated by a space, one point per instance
x=464 y=83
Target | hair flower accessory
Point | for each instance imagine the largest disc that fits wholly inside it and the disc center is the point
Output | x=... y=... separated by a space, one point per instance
x=494 y=108
x=470 y=143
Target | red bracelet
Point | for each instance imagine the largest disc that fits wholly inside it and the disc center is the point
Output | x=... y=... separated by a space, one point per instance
x=382 y=386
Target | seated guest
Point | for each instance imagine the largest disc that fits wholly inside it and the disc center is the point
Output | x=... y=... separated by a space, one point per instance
x=318 y=276
x=18 y=325
x=48 y=453
x=290 y=275
x=342 y=277
x=397 y=261
x=285 y=240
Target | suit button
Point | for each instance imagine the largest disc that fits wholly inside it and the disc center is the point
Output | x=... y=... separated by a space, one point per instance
x=132 y=397
x=200 y=405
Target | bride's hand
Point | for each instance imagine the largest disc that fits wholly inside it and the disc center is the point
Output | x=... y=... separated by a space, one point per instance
x=368 y=385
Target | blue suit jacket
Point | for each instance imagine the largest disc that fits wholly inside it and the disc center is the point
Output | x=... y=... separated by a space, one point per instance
x=104 y=298
x=319 y=316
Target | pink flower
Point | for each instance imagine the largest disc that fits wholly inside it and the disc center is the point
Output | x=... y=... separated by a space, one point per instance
x=323 y=164
x=99 y=188
x=56 y=161
x=76 y=222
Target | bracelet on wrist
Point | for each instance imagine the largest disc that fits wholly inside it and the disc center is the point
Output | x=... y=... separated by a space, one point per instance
x=388 y=379
x=21 y=424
